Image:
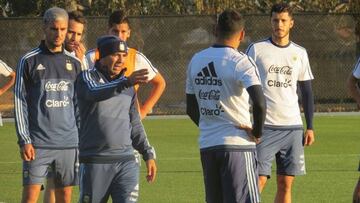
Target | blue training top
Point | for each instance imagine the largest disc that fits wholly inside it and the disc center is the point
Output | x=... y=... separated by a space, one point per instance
x=110 y=123
x=45 y=102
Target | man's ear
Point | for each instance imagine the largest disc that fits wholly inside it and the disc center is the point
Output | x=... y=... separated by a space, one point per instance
x=291 y=23
x=241 y=35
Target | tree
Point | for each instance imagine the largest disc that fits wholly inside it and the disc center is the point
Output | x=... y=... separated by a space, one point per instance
x=34 y=8
x=354 y=7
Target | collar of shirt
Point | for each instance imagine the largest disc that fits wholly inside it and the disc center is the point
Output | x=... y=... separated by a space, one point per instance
x=46 y=50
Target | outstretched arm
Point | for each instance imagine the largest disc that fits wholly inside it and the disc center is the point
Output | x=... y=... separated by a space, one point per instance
x=158 y=86
x=9 y=83
x=89 y=89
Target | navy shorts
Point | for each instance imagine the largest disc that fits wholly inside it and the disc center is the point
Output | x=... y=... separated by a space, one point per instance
x=100 y=181
x=64 y=164
x=287 y=146
x=230 y=176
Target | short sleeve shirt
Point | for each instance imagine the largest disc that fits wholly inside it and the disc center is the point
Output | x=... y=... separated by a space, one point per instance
x=280 y=68
x=218 y=77
x=5 y=70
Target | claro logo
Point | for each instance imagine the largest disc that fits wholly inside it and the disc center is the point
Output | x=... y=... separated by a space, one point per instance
x=62 y=86
x=212 y=112
x=52 y=103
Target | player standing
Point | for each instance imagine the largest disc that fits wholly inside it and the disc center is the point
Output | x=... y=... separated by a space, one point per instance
x=354 y=91
x=45 y=111
x=282 y=65
x=219 y=82
x=119 y=25
x=74 y=45
x=74 y=37
x=111 y=128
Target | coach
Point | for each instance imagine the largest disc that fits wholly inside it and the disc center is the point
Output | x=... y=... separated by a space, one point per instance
x=111 y=128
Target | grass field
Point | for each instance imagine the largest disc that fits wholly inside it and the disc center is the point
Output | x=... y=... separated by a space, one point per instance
x=331 y=163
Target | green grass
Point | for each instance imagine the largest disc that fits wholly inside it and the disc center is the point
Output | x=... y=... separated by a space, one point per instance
x=331 y=164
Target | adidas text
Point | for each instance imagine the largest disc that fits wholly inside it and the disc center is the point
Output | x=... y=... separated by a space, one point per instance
x=208 y=81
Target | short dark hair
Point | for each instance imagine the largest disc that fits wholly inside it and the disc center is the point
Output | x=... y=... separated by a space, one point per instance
x=118 y=17
x=281 y=8
x=229 y=22
x=77 y=16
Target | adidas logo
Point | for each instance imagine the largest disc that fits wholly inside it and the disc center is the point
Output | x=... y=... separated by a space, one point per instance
x=40 y=67
x=208 y=76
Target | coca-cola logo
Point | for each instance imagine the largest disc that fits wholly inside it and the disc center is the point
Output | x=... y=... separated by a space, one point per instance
x=285 y=70
x=62 y=86
x=210 y=95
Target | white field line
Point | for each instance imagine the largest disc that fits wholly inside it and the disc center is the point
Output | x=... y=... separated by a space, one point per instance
x=156 y=117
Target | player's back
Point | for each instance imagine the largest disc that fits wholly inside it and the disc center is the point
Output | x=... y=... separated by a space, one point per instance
x=218 y=77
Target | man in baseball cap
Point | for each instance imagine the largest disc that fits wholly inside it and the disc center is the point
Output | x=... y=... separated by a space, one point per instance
x=111 y=128
x=110 y=55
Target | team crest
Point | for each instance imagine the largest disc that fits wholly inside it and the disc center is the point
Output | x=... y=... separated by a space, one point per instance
x=122 y=47
x=69 y=66
x=86 y=199
x=26 y=174
x=294 y=58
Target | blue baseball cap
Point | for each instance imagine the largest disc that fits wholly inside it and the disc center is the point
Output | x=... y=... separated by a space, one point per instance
x=110 y=44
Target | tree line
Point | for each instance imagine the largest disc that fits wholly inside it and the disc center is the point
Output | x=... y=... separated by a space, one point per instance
x=35 y=8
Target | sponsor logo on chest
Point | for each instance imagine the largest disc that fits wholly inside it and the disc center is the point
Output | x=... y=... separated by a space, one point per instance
x=284 y=70
x=209 y=95
x=53 y=103
x=212 y=112
x=61 y=86
x=208 y=76
x=283 y=77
